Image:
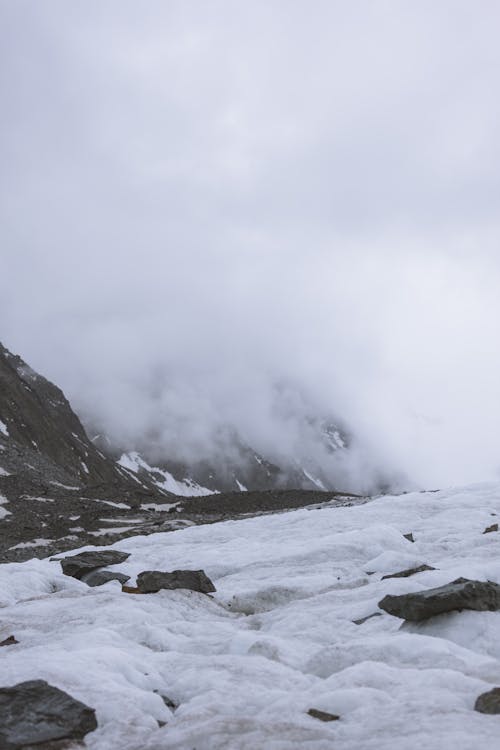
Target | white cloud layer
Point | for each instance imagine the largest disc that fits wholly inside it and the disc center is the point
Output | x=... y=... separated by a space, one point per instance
x=200 y=199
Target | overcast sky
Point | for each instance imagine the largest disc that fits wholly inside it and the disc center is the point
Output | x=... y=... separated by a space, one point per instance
x=201 y=199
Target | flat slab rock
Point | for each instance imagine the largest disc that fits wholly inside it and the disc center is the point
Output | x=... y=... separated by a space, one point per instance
x=488 y=703
x=409 y=572
x=77 y=566
x=151 y=581
x=457 y=595
x=35 y=712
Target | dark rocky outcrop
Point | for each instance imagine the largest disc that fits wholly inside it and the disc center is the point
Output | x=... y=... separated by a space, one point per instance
x=409 y=536
x=322 y=715
x=488 y=703
x=409 y=572
x=99 y=577
x=35 y=712
x=77 y=566
x=42 y=435
x=151 y=581
x=457 y=595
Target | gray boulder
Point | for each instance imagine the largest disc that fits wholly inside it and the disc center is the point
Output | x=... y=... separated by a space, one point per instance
x=488 y=703
x=77 y=566
x=151 y=581
x=98 y=577
x=35 y=712
x=457 y=595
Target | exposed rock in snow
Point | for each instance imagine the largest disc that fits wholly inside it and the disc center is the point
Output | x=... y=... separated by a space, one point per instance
x=34 y=712
x=409 y=572
x=10 y=641
x=322 y=715
x=77 y=565
x=457 y=595
x=489 y=703
x=489 y=529
x=151 y=581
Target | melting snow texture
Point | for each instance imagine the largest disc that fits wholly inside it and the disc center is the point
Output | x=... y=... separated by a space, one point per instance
x=278 y=637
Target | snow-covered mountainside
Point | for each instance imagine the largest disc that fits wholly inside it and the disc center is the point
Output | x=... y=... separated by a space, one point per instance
x=237 y=467
x=288 y=633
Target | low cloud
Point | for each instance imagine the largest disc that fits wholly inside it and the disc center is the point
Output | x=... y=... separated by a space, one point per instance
x=203 y=202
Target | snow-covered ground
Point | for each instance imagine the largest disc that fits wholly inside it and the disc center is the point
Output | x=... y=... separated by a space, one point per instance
x=278 y=637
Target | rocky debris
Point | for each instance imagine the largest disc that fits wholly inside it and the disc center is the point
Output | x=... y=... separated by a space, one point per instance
x=409 y=537
x=488 y=703
x=35 y=712
x=99 y=577
x=409 y=572
x=457 y=595
x=368 y=617
x=151 y=581
x=172 y=705
x=77 y=566
x=10 y=641
x=489 y=529
x=322 y=715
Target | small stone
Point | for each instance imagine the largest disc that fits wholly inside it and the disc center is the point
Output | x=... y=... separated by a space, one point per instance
x=409 y=572
x=489 y=529
x=151 y=581
x=99 y=577
x=77 y=566
x=457 y=595
x=369 y=617
x=10 y=641
x=488 y=703
x=322 y=715
x=35 y=712
x=409 y=537
x=131 y=590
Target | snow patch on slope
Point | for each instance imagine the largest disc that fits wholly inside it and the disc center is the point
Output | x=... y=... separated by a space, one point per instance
x=134 y=462
x=3 y=512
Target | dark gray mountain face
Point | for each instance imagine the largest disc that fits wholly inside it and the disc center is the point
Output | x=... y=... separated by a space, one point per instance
x=40 y=435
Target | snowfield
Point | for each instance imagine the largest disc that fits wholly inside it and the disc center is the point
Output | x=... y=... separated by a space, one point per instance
x=278 y=637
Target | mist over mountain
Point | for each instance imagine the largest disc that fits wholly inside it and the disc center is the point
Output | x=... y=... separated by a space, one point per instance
x=201 y=203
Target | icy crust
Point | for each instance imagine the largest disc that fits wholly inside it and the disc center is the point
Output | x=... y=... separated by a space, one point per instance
x=278 y=637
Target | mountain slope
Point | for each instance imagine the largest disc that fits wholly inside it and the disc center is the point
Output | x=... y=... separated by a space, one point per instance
x=40 y=435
